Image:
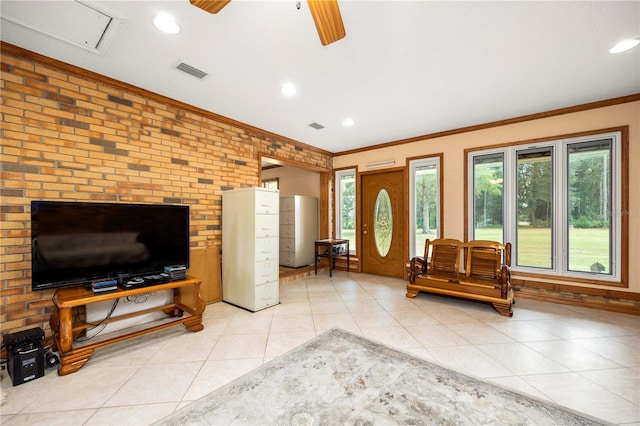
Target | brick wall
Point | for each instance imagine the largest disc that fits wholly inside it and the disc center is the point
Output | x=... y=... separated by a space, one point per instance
x=69 y=134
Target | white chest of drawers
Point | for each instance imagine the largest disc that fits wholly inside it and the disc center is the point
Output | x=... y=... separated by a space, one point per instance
x=298 y=230
x=250 y=229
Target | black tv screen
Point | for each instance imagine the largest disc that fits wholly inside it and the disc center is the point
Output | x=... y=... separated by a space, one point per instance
x=74 y=243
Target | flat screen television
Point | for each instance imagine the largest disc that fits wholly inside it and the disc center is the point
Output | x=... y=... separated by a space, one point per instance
x=75 y=243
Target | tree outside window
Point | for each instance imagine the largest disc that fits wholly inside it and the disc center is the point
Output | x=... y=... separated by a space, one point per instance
x=346 y=206
x=424 y=199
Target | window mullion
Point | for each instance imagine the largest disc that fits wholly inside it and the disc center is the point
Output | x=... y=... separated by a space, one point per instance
x=509 y=200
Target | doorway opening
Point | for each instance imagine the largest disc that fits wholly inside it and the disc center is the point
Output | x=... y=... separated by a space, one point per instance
x=294 y=178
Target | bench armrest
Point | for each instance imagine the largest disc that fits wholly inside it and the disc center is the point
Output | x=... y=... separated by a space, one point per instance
x=417 y=267
x=505 y=280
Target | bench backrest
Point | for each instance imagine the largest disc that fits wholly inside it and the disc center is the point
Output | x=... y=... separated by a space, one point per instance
x=484 y=259
x=444 y=254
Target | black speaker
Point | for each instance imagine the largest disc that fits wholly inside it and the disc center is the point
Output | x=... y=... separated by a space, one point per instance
x=51 y=359
x=25 y=363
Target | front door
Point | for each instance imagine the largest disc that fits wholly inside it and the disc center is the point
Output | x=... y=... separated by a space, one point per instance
x=382 y=230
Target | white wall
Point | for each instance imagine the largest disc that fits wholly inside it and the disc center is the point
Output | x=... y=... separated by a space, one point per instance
x=295 y=181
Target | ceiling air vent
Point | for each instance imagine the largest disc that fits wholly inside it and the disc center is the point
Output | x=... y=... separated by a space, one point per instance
x=191 y=70
x=316 y=126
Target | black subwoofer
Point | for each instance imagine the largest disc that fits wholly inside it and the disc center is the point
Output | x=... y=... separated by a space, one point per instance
x=25 y=355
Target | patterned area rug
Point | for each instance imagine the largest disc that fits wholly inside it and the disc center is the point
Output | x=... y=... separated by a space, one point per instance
x=341 y=378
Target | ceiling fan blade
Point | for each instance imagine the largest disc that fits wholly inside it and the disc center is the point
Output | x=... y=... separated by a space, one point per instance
x=211 y=6
x=328 y=20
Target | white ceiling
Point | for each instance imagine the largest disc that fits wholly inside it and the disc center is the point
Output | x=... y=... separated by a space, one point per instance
x=405 y=68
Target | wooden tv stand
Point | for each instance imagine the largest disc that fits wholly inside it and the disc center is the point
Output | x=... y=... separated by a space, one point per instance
x=66 y=328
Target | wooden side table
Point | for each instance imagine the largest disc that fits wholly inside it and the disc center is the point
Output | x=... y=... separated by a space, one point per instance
x=74 y=355
x=328 y=245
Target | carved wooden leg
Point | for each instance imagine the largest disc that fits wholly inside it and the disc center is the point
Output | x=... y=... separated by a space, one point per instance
x=197 y=305
x=73 y=361
x=54 y=323
x=64 y=341
x=199 y=302
x=412 y=292
x=504 y=308
x=194 y=323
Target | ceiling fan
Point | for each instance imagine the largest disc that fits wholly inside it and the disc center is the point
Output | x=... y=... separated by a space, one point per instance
x=325 y=13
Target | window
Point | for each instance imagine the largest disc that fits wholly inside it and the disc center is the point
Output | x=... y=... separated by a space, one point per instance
x=424 y=200
x=345 y=207
x=534 y=208
x=589 y=227
x=488 y=197
x=557 y=202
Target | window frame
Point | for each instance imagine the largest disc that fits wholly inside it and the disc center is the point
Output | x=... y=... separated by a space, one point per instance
x=511 y=229
x=412 y=165
x=560 y=234
x=338 y=204
x=506 y=182
x=616 y=228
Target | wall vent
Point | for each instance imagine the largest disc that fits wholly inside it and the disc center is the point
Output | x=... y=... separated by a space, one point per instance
x=316 y=126
x=191 y=70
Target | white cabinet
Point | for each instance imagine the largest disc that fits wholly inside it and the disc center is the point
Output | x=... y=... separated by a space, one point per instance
x=298 y=230
x=250 y=228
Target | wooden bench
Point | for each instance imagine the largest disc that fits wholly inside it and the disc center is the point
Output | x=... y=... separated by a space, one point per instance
x=486 y=275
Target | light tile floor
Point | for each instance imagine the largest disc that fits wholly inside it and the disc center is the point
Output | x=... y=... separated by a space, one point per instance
x=585 y=359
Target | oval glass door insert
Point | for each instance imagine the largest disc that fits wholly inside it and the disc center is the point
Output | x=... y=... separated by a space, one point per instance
x=383 y=222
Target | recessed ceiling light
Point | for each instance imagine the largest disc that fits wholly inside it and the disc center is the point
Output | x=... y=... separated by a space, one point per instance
x=288 y=89
x=348 y=122
x=625 y=45
x=166 y=24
